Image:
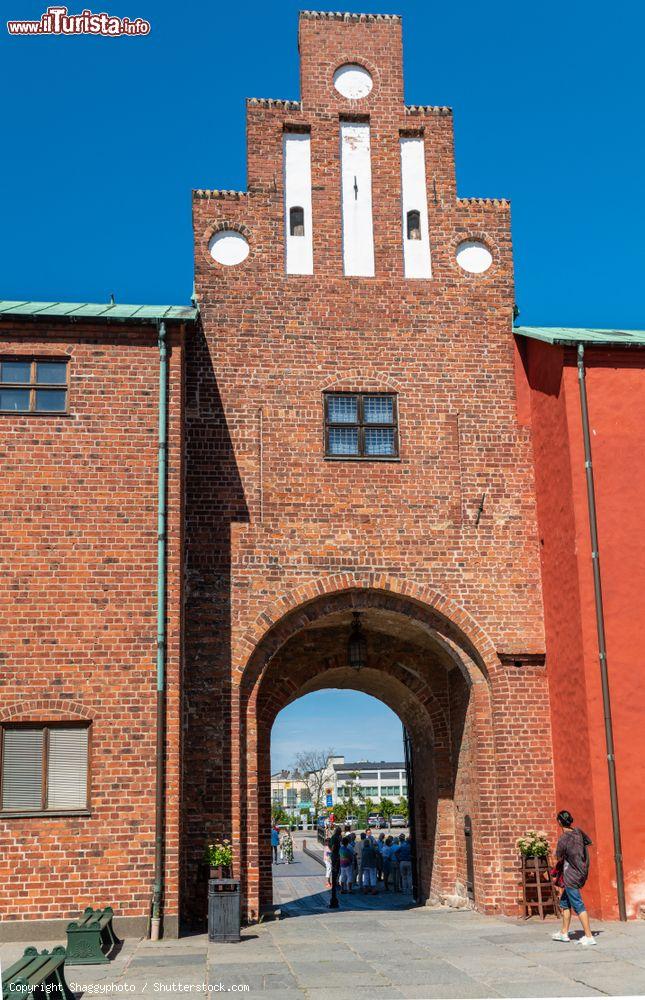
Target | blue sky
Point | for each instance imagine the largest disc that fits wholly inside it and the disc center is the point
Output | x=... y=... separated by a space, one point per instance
x=103 y=140
x=348 y=722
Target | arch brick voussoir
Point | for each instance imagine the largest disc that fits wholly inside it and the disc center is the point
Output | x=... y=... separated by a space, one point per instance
x=305 y=604
x=42 y=709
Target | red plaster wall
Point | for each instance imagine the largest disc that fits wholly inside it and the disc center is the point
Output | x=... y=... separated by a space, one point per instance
x=78 y=545
x=616 y=397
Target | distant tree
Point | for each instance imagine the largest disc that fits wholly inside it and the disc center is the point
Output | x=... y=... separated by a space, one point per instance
x=314 y=768
x=386 y=809
x=341 y=812
x=403 y=807
x=279 y=816
x=353 y=793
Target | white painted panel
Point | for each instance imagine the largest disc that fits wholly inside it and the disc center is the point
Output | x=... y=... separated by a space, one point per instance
x=298 y=250
x=474 y=256
x=356 y=182
x=414 y=198
x=352 y=81
x=228 y=247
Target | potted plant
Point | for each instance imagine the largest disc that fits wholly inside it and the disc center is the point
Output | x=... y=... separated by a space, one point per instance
x=219 y=857
x=533 y=844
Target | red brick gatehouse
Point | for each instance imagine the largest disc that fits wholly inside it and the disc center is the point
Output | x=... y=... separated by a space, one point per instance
x=354 y=428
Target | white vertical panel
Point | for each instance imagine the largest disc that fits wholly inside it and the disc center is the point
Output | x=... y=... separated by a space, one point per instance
x=299 y=252
x=356 y=181
x=416 y=253
x=22 y=769
x=67 y=768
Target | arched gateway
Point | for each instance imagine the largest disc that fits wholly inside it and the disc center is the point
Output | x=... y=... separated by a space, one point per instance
x=427 y=670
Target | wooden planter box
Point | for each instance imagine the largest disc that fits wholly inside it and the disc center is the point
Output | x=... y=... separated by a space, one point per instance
x=538 y=891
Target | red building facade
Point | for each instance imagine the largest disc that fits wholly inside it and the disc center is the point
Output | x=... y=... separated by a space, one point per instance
x=354 y=431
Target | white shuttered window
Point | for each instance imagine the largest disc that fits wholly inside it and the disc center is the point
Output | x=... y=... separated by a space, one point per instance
x=22 y=769
x=44 y=768
x=67 y=769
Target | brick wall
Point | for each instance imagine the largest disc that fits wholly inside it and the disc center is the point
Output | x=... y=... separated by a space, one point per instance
x=272 y=526
x=78 y=615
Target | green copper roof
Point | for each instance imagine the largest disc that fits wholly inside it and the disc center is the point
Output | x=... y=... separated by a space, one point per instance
x=113 y=313
x=569 y=337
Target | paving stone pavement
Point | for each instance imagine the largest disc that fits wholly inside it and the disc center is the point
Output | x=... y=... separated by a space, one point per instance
x=373 y=947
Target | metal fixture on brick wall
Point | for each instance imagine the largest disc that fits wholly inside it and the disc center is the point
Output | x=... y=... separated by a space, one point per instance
x=162 y=477
x=602 y=646
x=357 y=645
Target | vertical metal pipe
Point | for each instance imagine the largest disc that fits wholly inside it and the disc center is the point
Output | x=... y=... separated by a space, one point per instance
x=602 y=647
x=162 y=478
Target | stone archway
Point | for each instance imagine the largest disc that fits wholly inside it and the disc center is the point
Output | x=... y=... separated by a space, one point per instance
x=431 y=674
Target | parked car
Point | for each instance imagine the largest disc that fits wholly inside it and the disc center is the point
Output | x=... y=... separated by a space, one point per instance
x=377 y=821
x=351 y=822
x=399 y=821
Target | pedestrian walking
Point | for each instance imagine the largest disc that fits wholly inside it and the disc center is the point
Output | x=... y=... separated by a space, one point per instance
x=405 y=863
x=275 y=843
x=369 y=856
x=286 y=845
x=346 y=865
x=328 y=861
x=572 y=871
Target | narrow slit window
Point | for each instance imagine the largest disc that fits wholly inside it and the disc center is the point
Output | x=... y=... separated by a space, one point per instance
x=297 y=221
x=361 y=425
x=414 y=225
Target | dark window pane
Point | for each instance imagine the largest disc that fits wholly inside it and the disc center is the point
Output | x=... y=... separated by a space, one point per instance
x=16 y=371
x=378 y=410
x=342 y=409
x=297 y=221
x=15 y=400
x=414 y=225
x=51 y=400
x=343 y=441
x=51 y=372
x=379 y=441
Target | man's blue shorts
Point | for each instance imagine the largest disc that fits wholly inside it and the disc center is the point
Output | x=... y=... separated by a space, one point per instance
x=571 y=900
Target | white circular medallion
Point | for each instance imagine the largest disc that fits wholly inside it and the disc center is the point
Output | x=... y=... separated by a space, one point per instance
x=352 y=81
x=228 y=247
x=474 y=256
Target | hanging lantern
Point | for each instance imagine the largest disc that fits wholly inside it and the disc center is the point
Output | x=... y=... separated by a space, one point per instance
x=357 y=645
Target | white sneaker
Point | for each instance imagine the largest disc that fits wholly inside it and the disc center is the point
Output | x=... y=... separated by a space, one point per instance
x=560 y=936
x=587 y=942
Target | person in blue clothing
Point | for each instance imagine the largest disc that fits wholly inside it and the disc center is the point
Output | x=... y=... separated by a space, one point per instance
x=275 y=843
x=405 y=863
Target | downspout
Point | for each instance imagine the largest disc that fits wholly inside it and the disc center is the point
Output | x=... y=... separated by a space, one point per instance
x=162 y=477
x=602 y=647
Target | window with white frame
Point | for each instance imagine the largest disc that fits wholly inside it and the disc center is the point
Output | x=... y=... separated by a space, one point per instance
x=44 y=768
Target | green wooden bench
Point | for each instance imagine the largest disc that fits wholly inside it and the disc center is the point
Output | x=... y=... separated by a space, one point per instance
x=91 y=940
x=37 y=975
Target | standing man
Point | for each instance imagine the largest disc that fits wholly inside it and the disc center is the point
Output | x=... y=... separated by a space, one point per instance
x=335 y=867
x=275 y=840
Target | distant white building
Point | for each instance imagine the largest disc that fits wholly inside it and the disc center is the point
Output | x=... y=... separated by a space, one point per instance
x=376 y=780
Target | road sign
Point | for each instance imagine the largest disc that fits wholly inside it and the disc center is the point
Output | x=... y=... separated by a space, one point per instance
x=328 y=801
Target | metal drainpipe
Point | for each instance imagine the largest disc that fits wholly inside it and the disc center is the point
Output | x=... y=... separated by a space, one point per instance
x=162 y=476
x=602 y=648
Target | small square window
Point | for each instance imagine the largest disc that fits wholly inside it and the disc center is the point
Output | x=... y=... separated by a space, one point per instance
x=27 y=385
x=361 y=425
